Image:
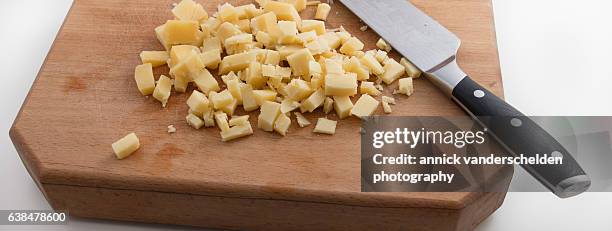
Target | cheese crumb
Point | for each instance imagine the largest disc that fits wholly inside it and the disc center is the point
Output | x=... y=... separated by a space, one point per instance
x=383 y=45
x=389 y=100
x=386 y=107
x=301 y=120
x=363 y=28
x=171 y=129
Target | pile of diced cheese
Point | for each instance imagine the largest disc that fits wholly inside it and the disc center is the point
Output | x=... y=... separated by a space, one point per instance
x=268 y=59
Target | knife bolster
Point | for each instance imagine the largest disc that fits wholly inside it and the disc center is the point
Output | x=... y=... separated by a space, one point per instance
x=446 y=75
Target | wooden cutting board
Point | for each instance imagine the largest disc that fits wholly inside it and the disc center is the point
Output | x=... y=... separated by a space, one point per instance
x=85 y=98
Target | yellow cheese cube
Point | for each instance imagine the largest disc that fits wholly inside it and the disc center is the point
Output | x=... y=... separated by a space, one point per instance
x=393 y=71
x=230 y=108
x=249 y=103
x=262 y=96
x=212 y=43
x=227 y=30
x=234 y=88
x=180 y=53
x=194 y=121
x=269 y=71
x=322 y=11
x=313 y=25
x=162 y=90
x=368 y=88
x=160 y=34
x=267 y=23
x=343 y=35
x=333 y=41
x=285 y=51
x=227 y=13
x=387 y=107
x=283 y=11
x=299 y=62
x=340 y=85
x=288 y=31
x=265 y=39
x=333 y=66
x=298 y=89
x=325 y=126
x=316 y=82
x=236 y=132
x=244 y=25
x=210 y=26
x=181 y=82
x=381 y=56
x=125 y=146
x=189 y=10
x=381 y=44
x=254 y=75
x=411 y=69
x=221 y=120
x=272 y=57
x=282 y=124
x=155 y=58
x=373 y=65
x=182 y=32
x=301 y=120
x=298 y=4
x=238 y=39
x=351 y=45
x=191 y=64
x=228 y=77
x=246 y=11
x=389 y=100
x=317 y=47
x=205 y=81
x=269 y=112
x=307 y=36
x=211 y=59
x=328 y=105
x=354 y=65
x=365 y=106
x=198 y=102
x=221 y=99
x=405 y=86
x=314 y=101
x=343 y=106
x=143 y=74
x=239 y=120
x=209 y=118
x=288 y=105
x=236 y=62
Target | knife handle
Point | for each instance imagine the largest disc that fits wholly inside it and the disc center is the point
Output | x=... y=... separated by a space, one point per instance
x=521 y=135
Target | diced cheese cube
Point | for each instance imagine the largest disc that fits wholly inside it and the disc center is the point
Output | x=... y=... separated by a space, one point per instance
x=301 y=120
x=298 y=89
x=191 y=64
x=382 y=44
x=368 y=88
x=254 y=75
x=343 y=35
x=316 y=82
x=313 y=25
x=244 y=25
x=230 y=108
x=333 y=41
x=227 y=30
x=317 y=47
x=340 y=85
x=288 y=105
x=389 y=100
x=307 y=36
x=314 y=101
x=393 y=71
x=236 y=132
x=221 y=120
x=212 y=43
x=282 y=124
x=267 y=117
x=411 y=69
x=406 y=87
x=239 y=120
x=194 y=121
x=333 y=66
x=262 y=96
x=227 y=13
x=386 y=107
x=125 y=146
x=236 y=62
x=189 y=10
x=283 y=11
x=325 y=126
x=381 y=56
x=143 y=74
x=181 y=32
x=285 y=51
x=238 y=39
x=365 y=106
x=249 y=102
x=205 y=81
x=343 y=106
x=351 y=45
x=265 y=39
x=354 y=65
x=155 y=58
x=234 y=87
x=314 y=69
x=246 y=11
x=181 y=82
x=266 y=23
x=211 y=59
x=160 y=34
x=370 y=61
x=272 y=57
x=198 y=102
x=162 y=90
x=299 y=62
x=210 y=26
x=288 y=31
x=209 y=118
x=322 y=11
x=328 y=105
x=221 y=99
x=298 y=4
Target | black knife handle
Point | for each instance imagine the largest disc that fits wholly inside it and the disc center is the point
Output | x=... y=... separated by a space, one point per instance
x=521 y=135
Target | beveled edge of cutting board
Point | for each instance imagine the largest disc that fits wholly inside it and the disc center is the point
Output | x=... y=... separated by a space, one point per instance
x=55 y=175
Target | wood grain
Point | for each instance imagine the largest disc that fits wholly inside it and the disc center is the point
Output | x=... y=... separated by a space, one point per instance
x=85 y=98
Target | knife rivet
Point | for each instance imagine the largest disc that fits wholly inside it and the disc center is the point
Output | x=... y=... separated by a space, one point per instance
x=479 y=93
x=515 y=122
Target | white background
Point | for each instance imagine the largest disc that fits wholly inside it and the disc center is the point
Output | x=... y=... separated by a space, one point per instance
x=554 y=58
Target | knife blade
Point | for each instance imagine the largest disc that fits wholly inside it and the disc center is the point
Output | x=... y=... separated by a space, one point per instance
x=433 y=48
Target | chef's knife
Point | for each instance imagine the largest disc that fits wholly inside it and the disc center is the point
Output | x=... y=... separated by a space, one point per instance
x=432 y=48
